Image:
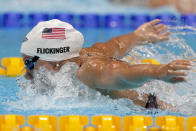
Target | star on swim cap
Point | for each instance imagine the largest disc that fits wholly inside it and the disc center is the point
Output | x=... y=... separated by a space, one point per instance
x=53 y=40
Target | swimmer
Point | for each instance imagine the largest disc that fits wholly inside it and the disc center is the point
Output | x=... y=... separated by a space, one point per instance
x=51 y=44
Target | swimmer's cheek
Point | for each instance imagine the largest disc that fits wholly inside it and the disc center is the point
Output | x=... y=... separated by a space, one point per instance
x=166 y=106
x=28 y=76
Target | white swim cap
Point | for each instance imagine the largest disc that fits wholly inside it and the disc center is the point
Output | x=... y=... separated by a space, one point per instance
x=53 y=40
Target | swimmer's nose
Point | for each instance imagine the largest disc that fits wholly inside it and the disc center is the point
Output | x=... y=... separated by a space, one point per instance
x=57 y=67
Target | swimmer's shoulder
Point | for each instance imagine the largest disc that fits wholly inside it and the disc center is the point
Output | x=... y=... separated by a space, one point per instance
x=100 y=48
x=94 y=54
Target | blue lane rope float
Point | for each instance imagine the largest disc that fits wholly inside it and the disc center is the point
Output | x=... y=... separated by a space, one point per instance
x=37 y=17
x=168 y=19
x=139 y=19
x=89 y=20
x=188 y=19
x=114 y=21
x=12 y=19
x=67 y=17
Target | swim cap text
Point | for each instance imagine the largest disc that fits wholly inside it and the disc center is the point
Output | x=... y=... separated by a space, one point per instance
x=52 y=50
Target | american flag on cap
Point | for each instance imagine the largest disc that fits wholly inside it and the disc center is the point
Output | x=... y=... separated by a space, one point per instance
x=53 y=33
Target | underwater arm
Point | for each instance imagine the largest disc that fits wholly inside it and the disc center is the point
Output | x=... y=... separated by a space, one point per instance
x=117 y=75
x=150 y=32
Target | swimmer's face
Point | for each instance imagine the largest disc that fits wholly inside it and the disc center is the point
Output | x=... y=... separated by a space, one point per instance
x=50 y=66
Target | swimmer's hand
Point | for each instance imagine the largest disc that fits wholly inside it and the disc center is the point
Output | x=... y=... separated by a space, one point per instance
x=152 y=32
x=172 y=72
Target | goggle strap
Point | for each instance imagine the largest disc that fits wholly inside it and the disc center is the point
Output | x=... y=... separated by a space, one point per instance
x=35 y=58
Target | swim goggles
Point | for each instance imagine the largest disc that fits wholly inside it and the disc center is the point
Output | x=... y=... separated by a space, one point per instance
x=30 y=62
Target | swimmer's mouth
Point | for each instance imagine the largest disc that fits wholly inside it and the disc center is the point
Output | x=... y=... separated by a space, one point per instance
x=151 y=102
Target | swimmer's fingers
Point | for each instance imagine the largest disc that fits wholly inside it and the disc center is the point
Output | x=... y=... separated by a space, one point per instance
x=177 y=79
x=183 y=62
x=164 y=36
x=156 y=21
x=176 y=73
x=187 y=63
x=164 y=28
x=159 y=26
x=181 y=67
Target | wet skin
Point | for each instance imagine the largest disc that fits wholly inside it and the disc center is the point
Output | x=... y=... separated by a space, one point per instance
x=101 y=69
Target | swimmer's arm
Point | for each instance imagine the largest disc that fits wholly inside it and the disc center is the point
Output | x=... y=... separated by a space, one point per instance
x=120 y=75
x=158 y=3
x=147 y=33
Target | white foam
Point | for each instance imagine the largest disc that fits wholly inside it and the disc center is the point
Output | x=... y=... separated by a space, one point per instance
x=64 y=92
x=181 y=95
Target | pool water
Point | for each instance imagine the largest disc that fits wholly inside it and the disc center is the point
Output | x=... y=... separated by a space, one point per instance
x=66 y=95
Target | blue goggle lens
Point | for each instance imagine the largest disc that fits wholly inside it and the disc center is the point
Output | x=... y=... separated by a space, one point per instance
x=30 y=63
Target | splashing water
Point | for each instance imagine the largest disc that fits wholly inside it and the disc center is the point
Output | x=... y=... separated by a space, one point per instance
x=62 y=92
x=183 y=95
x=175 y=48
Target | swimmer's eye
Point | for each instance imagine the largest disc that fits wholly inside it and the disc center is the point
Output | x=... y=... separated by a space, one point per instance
x=30 y=63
